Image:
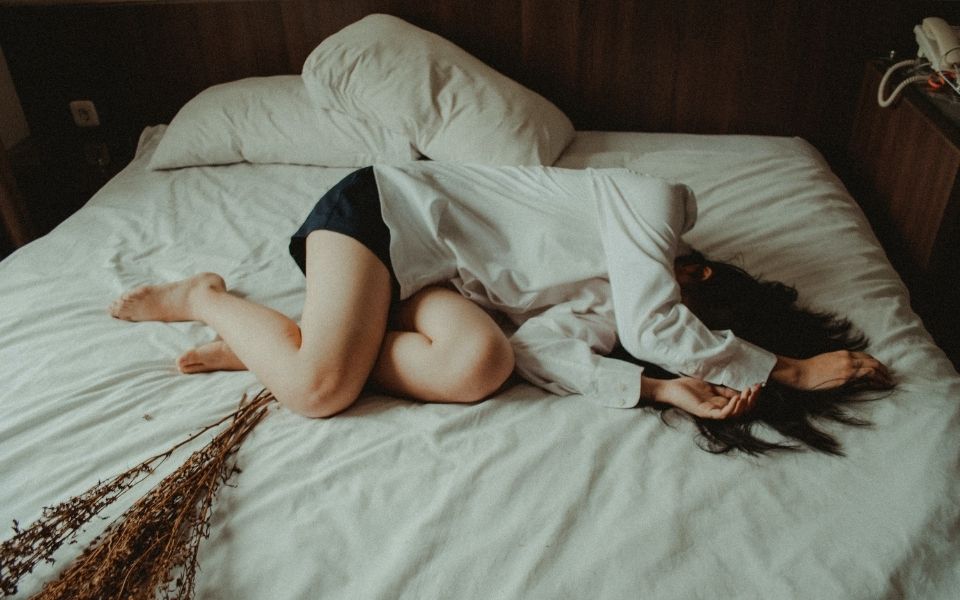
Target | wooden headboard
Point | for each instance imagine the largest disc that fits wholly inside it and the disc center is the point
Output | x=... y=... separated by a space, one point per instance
x=782 y=67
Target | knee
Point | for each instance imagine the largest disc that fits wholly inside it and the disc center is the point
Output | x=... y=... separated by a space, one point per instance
x=321 y=395
x=480 y=366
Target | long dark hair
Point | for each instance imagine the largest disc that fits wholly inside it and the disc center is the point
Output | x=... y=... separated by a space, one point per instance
x=766 y=314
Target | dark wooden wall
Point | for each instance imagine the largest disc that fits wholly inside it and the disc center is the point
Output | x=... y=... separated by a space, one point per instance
x=782 y=67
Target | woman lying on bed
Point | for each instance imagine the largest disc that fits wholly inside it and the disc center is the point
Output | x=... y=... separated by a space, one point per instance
x=404 y=266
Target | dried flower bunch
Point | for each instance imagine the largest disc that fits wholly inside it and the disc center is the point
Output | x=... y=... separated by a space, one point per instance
x=151 y=549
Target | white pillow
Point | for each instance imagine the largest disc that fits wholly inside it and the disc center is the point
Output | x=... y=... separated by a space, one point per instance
x=271 y=120
x=454 y=107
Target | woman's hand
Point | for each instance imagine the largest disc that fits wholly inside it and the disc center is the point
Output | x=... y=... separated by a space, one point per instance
x=831 y=370
x=700 y=398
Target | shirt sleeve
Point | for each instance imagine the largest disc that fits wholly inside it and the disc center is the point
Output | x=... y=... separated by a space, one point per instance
x=641 y=221
x=561 y=351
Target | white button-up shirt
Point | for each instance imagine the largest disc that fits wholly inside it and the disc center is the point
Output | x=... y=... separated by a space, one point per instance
x=575 y=259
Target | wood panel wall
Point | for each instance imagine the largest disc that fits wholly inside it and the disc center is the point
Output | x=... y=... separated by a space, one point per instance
x=911 y=161
x=781 y=67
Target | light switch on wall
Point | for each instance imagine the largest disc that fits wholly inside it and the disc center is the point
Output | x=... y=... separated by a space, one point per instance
x=84 y=113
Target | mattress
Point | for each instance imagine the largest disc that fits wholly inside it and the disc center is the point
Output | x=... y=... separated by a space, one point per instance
x=524 y=495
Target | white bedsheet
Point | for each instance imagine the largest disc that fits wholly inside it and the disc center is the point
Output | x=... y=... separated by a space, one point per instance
x=525 y=495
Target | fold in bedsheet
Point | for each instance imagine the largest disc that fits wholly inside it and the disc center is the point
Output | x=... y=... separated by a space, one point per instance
x=525 y=495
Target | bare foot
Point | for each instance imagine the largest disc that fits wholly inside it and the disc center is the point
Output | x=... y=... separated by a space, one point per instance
x=167 y=302
x=215 y=356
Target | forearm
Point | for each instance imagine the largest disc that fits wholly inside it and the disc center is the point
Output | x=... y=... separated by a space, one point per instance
x=787 y=371
x=831 y=370
x=651 y=388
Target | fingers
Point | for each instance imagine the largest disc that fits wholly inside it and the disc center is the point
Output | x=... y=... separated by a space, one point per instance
x=724 y=393
x=868 y=369
x=745 y=401
x=722 y=402
x=748 y=400
x=730 y=403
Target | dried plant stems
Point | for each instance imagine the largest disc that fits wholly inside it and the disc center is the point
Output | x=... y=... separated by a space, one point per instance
x=151 y=549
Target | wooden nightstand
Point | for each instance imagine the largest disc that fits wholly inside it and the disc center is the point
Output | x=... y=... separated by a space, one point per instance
x=905 y=162
x=15 y=230
x=47 y=178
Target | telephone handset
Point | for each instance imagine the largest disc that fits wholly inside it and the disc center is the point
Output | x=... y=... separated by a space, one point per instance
x=938 y=43
x=938 y=59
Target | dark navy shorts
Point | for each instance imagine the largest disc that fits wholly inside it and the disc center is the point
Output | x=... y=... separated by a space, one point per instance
x=352 y=207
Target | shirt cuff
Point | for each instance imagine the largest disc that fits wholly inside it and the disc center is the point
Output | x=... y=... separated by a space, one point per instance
x=617 y=384
x=743 y=366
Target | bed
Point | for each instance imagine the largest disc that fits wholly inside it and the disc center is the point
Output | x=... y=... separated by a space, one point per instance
x=524 y=495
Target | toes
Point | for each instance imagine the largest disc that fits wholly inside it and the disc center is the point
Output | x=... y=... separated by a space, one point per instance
x=189 y=362
x=120 y=308
x=116 y=308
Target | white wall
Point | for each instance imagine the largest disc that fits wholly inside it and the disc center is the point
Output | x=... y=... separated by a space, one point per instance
x=13 y=124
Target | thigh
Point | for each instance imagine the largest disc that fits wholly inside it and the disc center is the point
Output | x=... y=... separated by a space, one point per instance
x=345 y=312
x=442 y=314
x=444 y=348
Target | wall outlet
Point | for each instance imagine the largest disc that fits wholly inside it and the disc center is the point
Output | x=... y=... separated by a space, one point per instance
x=84 y=113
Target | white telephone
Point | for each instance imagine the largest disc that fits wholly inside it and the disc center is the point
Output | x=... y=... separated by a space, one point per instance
x=938 y=51
x=938 y=43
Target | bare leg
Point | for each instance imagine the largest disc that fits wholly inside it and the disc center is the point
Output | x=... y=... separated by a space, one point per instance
x=317 y=369
x=450 y=351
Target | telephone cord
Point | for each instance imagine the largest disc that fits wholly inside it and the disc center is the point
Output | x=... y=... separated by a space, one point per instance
x=885 y=102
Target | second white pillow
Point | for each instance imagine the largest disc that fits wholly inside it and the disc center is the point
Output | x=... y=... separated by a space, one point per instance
x=271 y=120
x=423 y=87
